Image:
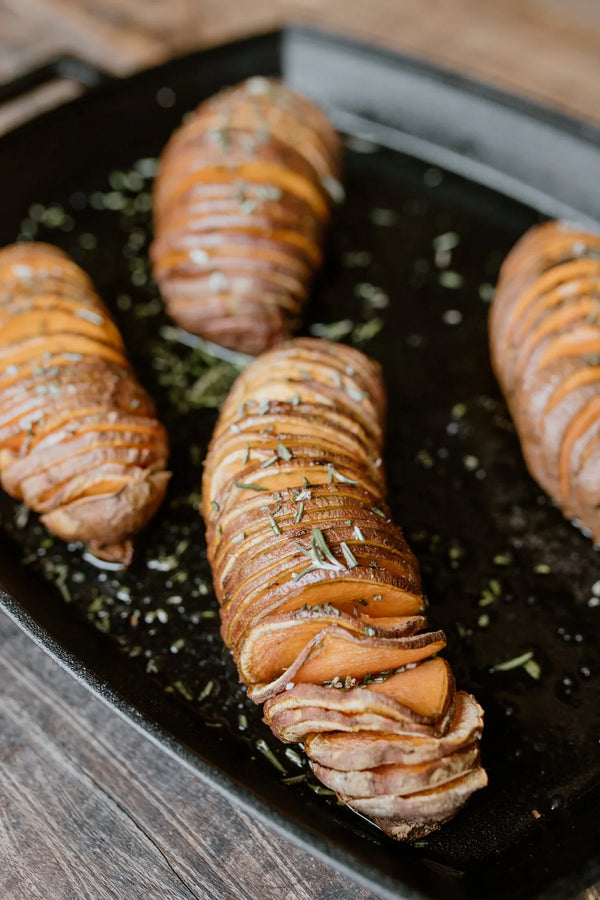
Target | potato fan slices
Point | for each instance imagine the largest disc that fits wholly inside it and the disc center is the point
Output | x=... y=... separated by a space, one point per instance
x=79 y=441
x=320 y=595
x=241 y=202
x=545 y=342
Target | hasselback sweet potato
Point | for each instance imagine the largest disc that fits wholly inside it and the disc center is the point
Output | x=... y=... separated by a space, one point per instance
x=79 y=441
x=320 y=594
x=545 y=343
x=240 y=204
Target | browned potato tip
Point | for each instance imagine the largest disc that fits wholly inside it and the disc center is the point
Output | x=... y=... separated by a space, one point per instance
x=545 y=344
x=241 y=202
x=320 y=594
x=79 y=441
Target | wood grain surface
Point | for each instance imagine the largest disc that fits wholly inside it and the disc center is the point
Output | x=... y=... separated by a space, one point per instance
x=91 y=809
x=88 y=807
x=546 y=49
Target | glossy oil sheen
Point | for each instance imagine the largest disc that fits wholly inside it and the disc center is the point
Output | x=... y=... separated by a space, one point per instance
x=504 y=573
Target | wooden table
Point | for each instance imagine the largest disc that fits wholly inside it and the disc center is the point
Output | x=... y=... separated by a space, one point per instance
x=88 y=807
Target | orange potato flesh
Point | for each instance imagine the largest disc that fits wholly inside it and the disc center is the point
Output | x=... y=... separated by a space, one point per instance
x=337 y=658
x=424 y=688
x=319 y=593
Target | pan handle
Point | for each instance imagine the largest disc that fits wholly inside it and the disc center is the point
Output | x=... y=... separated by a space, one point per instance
x=84 y=73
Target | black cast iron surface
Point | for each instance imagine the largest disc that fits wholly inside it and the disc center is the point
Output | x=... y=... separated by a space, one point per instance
x=414 y=252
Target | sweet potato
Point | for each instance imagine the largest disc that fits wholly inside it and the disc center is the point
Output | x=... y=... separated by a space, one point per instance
x=79 y=441
x=545 y=344
x=320 y=595
x=241 y=202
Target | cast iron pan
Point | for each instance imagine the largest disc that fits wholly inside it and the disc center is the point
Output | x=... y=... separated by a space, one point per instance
x=442 y=175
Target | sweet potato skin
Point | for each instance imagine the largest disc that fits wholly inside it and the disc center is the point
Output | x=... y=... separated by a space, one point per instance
x=320 y=595
x=79 y=440
x=241 y=202
x=545 y=346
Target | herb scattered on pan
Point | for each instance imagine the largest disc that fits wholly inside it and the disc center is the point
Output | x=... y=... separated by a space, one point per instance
x=525 y=661
x=333 y=331
x=262 y=746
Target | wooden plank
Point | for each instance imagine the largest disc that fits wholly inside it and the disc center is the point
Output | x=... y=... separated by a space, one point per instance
x=91 y=809
x=544 y=49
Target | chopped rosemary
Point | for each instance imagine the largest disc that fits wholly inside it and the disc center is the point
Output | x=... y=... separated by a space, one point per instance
x=294 y=779
x=294 y=757
x=163 y=563
x=355 y=394
x=274 y=525
x=302 y=549
x=358 y=534
x=320 y=548
x=299 y=514
x=249 y=487
x=378 y=512
x=183 y=689
x=269 y=461
x=283 y=452
x=513 y=663
x=333 y=473
x=266 y=751
x=348 y=555
x=215 y=505
x=206 y=690
x=533 y=669
x=246 y=456
x=320 y=790
x=333 y=331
